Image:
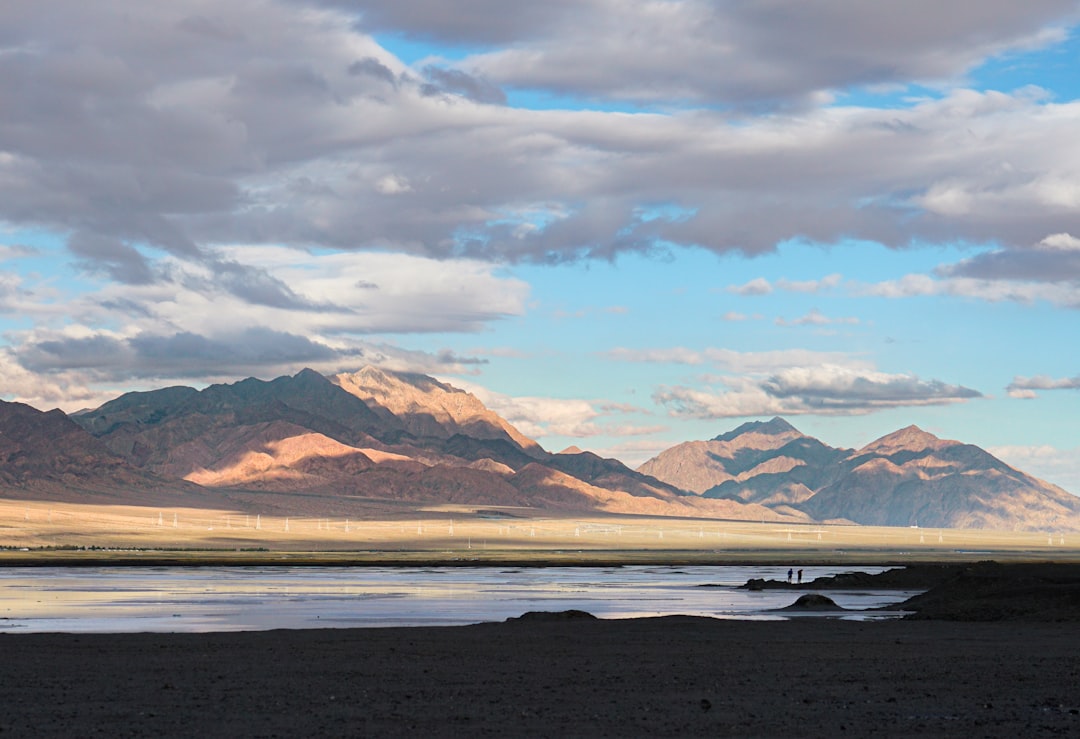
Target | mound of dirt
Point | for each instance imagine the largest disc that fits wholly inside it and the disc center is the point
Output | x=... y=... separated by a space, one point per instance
x=541 y=616
x=813 y=602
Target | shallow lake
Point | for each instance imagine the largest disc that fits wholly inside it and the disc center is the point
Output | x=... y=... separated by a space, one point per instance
x=188 y=599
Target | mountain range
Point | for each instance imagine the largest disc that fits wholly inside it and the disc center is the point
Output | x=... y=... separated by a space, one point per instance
x=906 y=478
x=314 y=445
x=319 y=445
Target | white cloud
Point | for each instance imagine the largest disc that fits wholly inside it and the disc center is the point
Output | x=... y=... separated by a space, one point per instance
x=810 y=286
x=1053 y=464
x=634 y=452
x=392 y=185
x=189 y=326
x=1065 y=295
x=817 y=318
x=539 y=417
x=1025 y=387
x=756 y=286
x=69 y=390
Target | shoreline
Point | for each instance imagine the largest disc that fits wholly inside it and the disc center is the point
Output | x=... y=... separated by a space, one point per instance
x=994 y=654
x=852 y=557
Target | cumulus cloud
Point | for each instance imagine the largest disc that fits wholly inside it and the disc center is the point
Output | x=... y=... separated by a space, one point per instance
x=756 y=286
x=648 y=51
x=823 y=390
x=542 y=417
x=192 y=325
x=761 y=286
x=67 y=390
x=156 y=129
x=1044 y=273
x=179 y=148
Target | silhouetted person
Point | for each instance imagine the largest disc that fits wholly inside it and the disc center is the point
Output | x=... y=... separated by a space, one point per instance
x=800 y=577
x=789 y=574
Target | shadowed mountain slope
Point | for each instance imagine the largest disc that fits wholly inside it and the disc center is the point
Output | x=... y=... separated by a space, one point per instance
x=699 y=466
x=906 y=478
x=911 y=477
x=46 y=455
x=371 y=434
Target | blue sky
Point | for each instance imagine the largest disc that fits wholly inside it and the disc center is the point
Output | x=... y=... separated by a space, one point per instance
x=622 y=229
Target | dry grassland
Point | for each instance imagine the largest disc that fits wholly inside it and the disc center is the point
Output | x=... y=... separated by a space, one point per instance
x=467 y=533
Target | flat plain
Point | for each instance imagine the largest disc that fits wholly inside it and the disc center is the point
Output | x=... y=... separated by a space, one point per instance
x=57 y=532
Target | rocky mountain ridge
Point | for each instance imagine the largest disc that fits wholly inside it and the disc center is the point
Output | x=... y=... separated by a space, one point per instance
x=906 y=478
x=318 y=445
x=313 y=441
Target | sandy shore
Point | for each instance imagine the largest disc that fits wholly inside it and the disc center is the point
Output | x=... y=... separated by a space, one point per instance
x=673 y=676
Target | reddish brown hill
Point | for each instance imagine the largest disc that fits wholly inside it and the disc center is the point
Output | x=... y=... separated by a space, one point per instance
x=698 y=466
x=48 y=456
x=906 y=478
x=911 y=477
x=429 y=408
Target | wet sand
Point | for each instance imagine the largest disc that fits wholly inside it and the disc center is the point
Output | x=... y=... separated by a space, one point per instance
x=672 y=676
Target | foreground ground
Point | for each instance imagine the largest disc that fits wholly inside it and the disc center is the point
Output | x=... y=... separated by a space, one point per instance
x=674 y=676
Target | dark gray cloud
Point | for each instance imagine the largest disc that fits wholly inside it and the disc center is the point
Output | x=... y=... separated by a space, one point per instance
x=175 y=129
x=374 y=68
x=120 y=261
x=454 y=81
x=728 y=53
x=466 y=23
x=1036 y=264
x=176 y=145
x=858 y=392
x=820 y=390
x=182 y=354
x=257 y=351
x=256 y=286
x=450 y=357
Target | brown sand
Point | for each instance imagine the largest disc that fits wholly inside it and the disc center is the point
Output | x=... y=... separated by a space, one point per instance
x=673 y=676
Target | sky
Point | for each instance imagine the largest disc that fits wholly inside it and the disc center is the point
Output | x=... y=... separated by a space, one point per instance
x=623 y=224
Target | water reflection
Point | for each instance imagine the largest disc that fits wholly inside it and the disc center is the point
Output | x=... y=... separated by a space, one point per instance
x=256 y=598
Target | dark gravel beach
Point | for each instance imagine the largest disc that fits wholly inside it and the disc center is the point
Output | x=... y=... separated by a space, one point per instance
x=1014 y=674
x=673 y=676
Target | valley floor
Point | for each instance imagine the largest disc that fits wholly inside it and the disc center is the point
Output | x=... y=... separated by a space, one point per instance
x=65 y=532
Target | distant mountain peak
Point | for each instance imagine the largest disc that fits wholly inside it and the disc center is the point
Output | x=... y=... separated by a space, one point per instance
x=373 y=377
x=911 y=438
x=775 y=426
x=428 y=407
